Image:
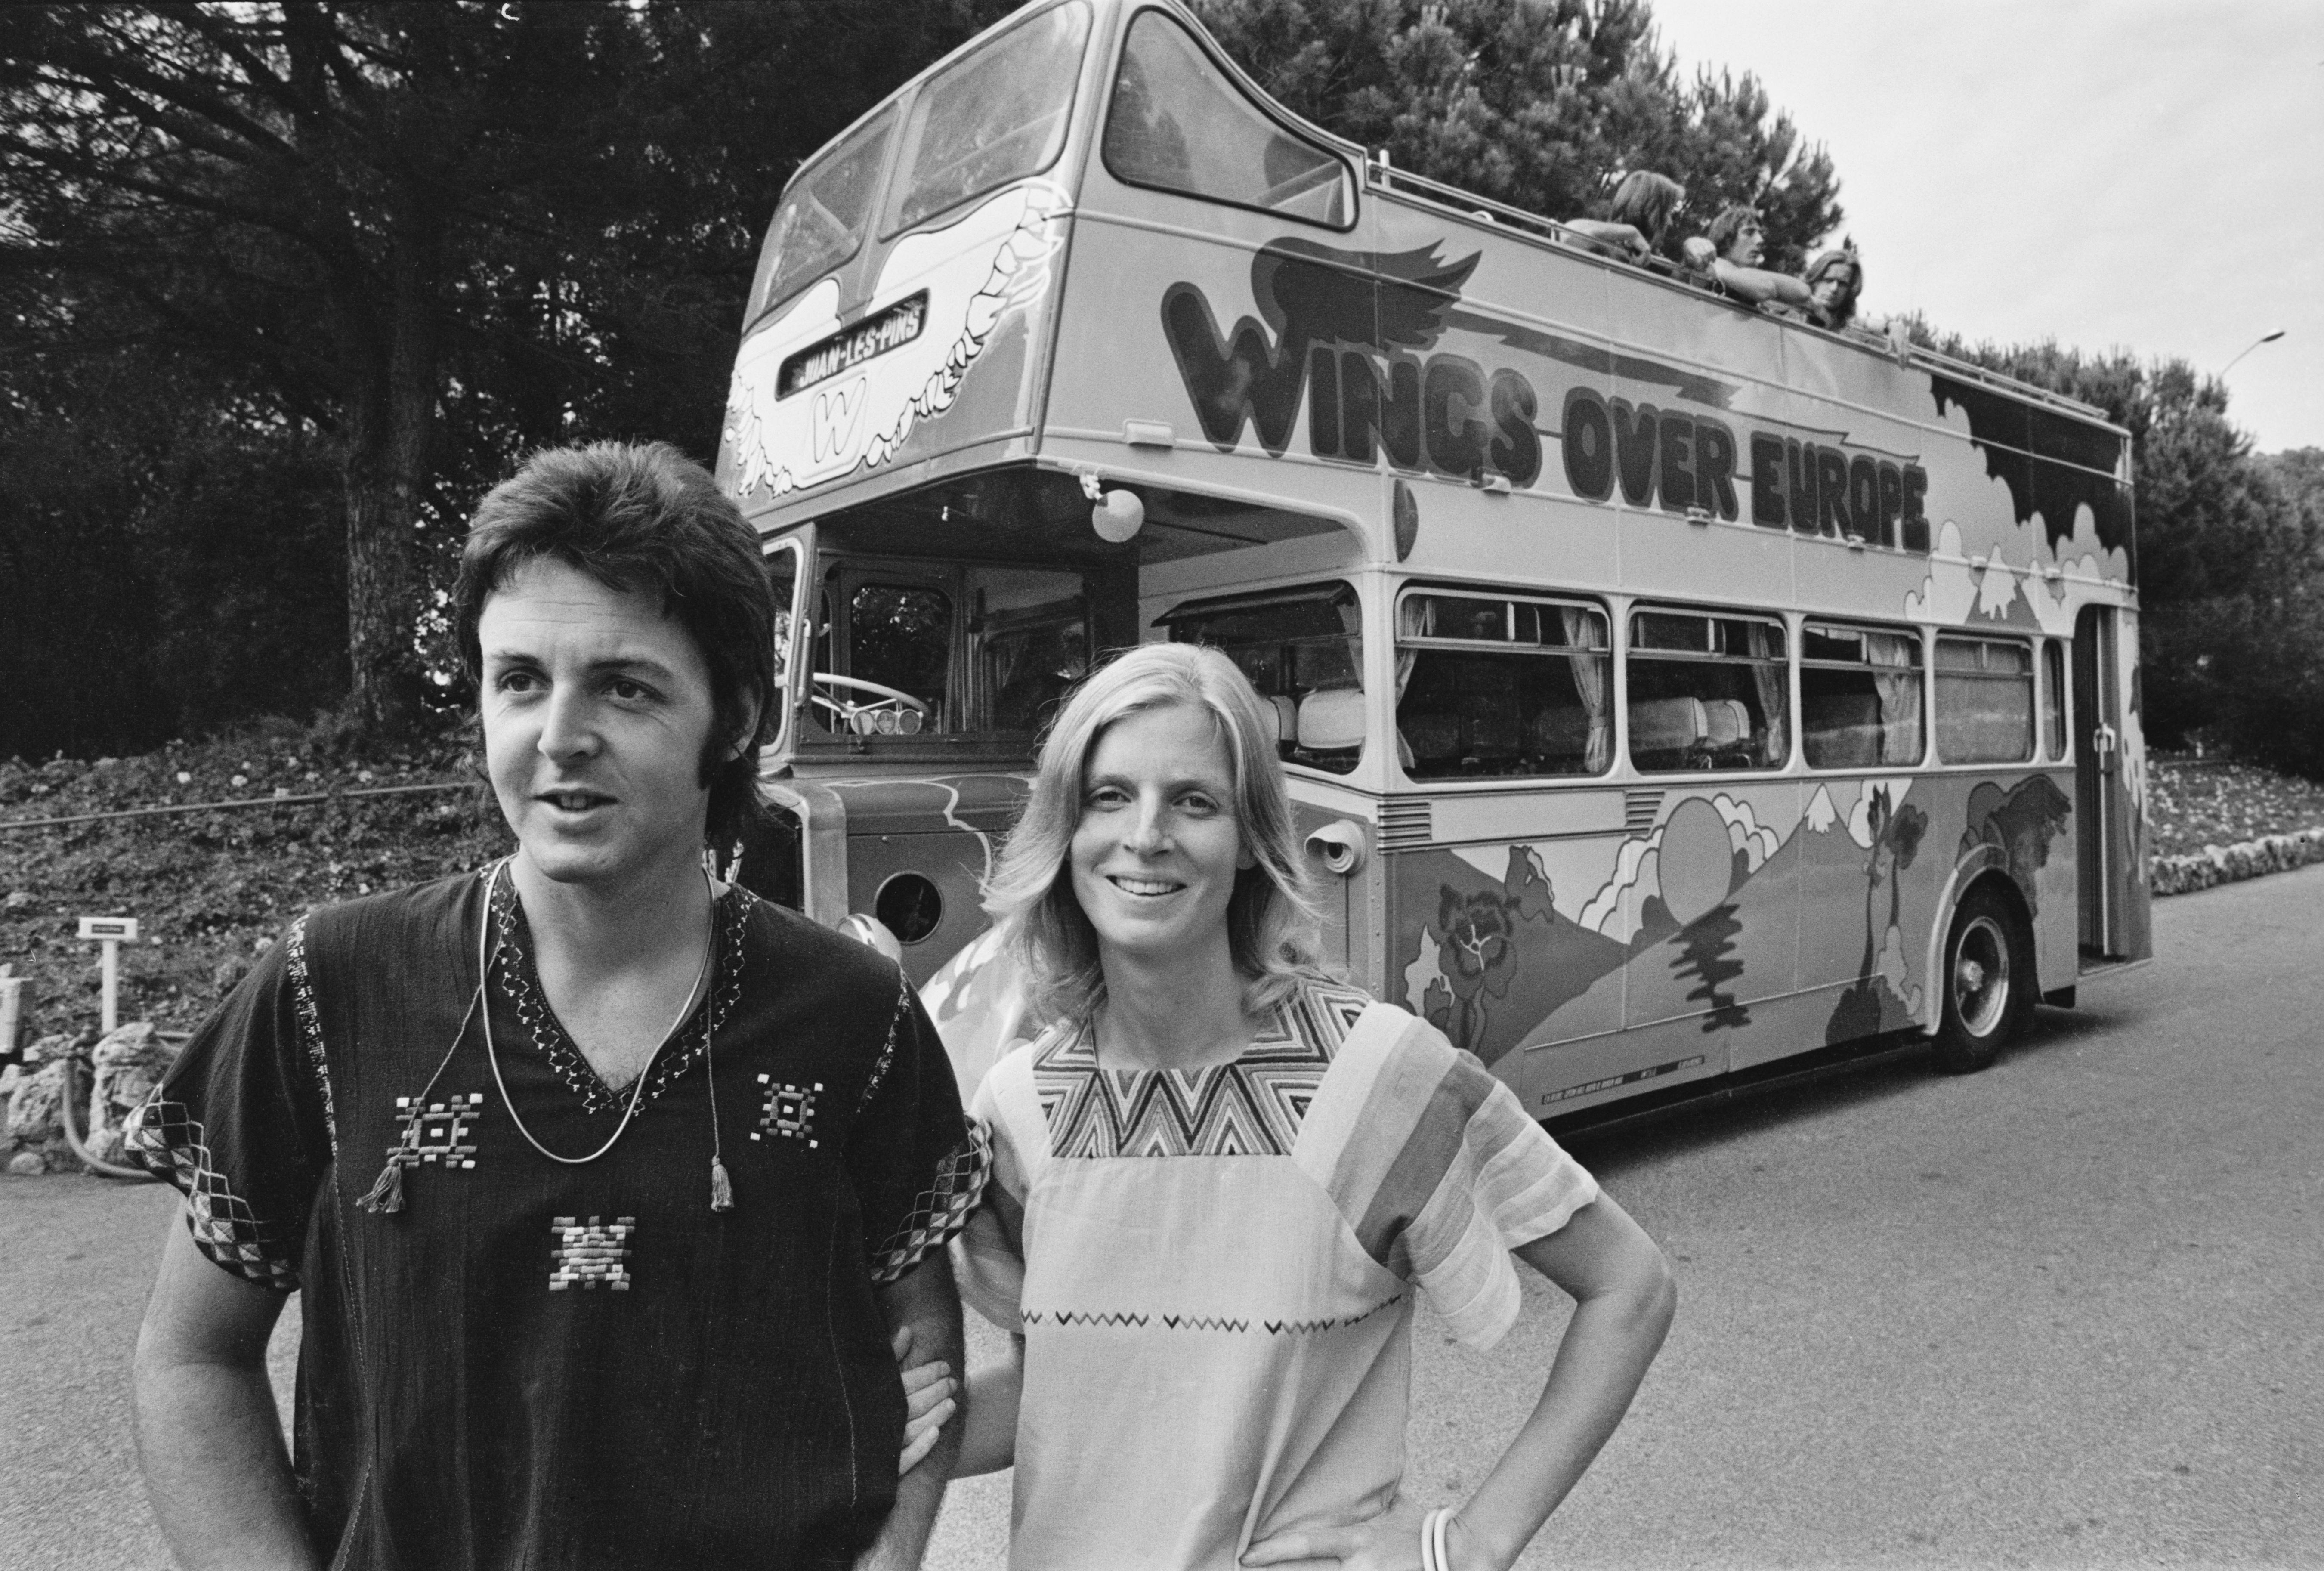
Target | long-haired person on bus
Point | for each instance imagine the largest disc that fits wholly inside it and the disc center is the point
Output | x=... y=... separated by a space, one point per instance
x=1221 y=1179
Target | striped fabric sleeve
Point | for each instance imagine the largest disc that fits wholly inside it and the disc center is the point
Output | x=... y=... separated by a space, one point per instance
x=1445 y=1173
x=989 y=1254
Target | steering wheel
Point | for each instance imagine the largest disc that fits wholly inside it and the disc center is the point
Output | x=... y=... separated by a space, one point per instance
x=892 y=712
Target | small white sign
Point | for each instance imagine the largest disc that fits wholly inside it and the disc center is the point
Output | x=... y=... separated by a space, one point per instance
x=108 y=927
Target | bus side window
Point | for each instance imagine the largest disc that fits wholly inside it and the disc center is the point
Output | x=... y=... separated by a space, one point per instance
x=1303 y=648
x=1708 y=692
x=2053 y=698
x=1178 y=124
x=1500 y=686
x=1985 y=700
x=1859 y=696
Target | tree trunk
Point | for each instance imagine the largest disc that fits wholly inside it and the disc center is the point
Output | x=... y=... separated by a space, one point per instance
x=386 y=466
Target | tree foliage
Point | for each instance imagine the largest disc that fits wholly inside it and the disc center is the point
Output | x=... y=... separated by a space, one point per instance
x=432 y=233
x=1542 y=104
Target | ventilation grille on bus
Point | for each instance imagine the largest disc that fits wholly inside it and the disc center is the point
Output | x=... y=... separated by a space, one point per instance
x=1406 y=825
x=1638 y=810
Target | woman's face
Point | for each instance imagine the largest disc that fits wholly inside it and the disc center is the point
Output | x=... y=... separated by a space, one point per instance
x=1156 y=852
x=1833 y=288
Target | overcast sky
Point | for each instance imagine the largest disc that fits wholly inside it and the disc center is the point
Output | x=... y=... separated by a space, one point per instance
x=2130 y=173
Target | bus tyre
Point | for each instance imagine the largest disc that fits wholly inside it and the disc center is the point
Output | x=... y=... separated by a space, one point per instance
x=1988 y=983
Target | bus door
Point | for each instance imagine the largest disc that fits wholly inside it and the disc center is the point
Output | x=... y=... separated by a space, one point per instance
x=2106 y=854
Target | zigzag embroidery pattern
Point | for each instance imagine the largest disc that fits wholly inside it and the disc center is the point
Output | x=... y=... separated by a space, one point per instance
x=1253 y=1106
x=1130 y=1320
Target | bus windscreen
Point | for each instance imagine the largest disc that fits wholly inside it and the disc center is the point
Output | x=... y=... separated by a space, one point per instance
x=997 y=116
x=821 y=221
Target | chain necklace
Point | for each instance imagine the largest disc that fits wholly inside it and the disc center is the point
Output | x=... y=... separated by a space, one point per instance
x=486 y=953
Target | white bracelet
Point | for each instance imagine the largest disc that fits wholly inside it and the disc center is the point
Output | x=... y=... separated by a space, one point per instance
x=1436 y=1554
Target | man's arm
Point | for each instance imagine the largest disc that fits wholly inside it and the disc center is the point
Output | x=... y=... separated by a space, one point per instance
x=208 y=1436
x=925 y=1300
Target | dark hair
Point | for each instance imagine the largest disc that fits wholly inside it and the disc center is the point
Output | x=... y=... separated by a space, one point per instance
x=1646 y=200
x=1729 y=224
x=644 y=518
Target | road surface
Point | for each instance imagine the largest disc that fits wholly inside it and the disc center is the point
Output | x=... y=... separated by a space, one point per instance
x=2061 y=1314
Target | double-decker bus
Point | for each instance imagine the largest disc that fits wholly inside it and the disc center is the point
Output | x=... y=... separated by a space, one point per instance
x=1667 y=688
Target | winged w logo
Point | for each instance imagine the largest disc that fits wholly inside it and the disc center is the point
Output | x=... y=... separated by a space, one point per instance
x=837 y=412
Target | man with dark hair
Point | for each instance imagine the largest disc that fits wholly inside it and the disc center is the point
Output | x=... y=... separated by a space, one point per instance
x=1731 y=256
x=606 y=1185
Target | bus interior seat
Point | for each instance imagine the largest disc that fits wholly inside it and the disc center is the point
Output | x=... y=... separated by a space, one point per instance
x=1332 y=719
x=1846 y=729
x=1287 y=717
x=1666 y=725
x=1432 y=738
x=1726 y=722
x=1559 y=732
x=1494 y=732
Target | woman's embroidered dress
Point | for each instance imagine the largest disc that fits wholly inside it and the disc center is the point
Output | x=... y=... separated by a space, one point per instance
x=1215 y=1272
x=532 y=1365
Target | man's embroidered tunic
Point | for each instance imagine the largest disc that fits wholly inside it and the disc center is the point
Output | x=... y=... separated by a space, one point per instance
x=534 y=1364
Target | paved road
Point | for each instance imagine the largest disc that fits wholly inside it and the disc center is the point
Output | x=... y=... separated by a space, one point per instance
x=2061 y=1314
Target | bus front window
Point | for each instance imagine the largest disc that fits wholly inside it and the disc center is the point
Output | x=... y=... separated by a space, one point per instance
x=956 y=650
x=821 y=221
x=998 y=116
x=1303 y=648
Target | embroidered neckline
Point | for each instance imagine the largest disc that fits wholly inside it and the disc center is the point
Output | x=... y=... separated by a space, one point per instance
x=515 y=973
x=1252 y=1105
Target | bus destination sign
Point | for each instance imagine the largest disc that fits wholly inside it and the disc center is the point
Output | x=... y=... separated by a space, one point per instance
x=891 y=329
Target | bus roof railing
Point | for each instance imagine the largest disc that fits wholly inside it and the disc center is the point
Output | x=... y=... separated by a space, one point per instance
x=1380 y=175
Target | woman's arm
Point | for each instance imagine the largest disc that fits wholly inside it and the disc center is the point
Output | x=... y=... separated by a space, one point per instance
x=989 y=1441
x=1625 y=1296
x=209 y=1437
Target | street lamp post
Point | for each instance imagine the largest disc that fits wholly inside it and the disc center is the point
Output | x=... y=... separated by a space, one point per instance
x=2255 y=342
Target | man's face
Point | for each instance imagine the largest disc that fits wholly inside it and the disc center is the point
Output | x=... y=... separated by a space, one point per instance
x=1832 y=288
x=597 y=706
x=1748 y=245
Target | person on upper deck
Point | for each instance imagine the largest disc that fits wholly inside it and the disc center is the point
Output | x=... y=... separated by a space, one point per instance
x=1633 y=228
x=1835 y=277
x=1731 y=257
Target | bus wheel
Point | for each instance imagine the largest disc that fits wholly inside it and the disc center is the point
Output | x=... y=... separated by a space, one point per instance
x=1988 y=982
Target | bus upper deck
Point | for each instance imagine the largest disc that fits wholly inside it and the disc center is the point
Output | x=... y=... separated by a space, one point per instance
x=1079 y=340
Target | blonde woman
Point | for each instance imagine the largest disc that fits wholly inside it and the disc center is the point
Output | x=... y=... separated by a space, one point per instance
x=1221 y=1179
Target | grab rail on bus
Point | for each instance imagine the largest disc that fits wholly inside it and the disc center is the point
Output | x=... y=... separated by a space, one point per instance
x=1384 y=176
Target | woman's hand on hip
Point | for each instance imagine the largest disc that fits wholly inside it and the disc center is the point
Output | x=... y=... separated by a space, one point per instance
x=1389 y=1541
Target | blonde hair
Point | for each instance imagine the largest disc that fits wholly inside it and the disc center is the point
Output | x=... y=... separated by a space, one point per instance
x=1270 y=917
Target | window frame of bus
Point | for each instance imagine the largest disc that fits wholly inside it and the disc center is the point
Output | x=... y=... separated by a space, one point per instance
x=893 y=221
x=1827 y=625
x=787 y=628
x=1939 y=674
x=1508 y=648
x=1241 y=86
x=1333 y=592
x=1630 y=653
x=762 y=300
x=2056 y=723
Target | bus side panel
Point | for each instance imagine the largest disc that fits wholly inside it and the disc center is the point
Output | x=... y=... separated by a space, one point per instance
x=1184 y=344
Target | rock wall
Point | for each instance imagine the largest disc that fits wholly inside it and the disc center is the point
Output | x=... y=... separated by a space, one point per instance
x=2231 y=863
x=124 y=1068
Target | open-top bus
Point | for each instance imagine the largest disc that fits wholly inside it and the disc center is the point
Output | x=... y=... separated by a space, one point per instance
x=1667 y=688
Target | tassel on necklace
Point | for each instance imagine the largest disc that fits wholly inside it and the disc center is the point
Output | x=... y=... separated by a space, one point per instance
x=386 y=1193
x=722 y=1193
